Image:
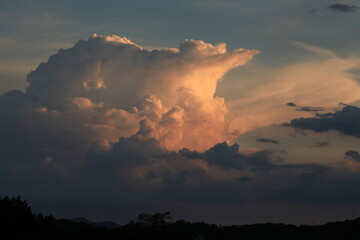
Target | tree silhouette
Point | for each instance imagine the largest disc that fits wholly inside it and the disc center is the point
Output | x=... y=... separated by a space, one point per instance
x=18 y=222
x=155 y=219
x=15 y=211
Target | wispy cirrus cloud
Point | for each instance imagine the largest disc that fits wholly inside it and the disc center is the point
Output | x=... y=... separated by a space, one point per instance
x=320 y=80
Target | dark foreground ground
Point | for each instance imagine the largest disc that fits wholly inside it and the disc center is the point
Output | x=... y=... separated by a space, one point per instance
x=18 y=222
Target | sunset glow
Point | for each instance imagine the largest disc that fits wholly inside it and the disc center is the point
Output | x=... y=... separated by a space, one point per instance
x=224 y=111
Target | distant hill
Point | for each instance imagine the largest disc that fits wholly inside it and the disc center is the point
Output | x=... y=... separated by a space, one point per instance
x=107 y=224
x=104 y=224
x=81 y=220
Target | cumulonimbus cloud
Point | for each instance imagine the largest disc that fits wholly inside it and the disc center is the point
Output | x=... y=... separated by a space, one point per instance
x=107 y=122
x=166 y=94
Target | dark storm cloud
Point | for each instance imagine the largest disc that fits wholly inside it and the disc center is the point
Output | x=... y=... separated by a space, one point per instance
x=342 y=8
x=32 y=134
x=266 y=140
x=352 y=155
x=182 y=175
x=29 y=135
x=346 y=121
x=42 y=159
x=125 y=154
x=228 y=157
x=114 y=176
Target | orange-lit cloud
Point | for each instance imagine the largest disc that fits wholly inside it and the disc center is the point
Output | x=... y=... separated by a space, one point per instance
x=323 y=81
x=106 y=121
x=124 y=89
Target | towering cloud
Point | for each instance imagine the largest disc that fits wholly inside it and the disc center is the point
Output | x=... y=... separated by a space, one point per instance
x=124 y=89
x=107 y=124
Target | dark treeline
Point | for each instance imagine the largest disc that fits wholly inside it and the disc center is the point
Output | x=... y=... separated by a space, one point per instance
x=17 y=221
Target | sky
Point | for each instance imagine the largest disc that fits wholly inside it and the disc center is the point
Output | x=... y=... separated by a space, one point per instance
x=229 y=112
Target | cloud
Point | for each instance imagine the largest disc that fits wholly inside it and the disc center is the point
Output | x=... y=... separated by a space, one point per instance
x=170 y=91
x=109 y=127
x=305 y=108
x=343 y=8
x=143 y=166
x=228 y=157
x=321 y=145
x=149 y=158
x=310 y=109
x=109 y=87
x=291 y=104
x=346 y=121
x=266 y=140
x=259 y=89
x=221 y=174
x=315 y=49
x=352 y=155
x=125 y=171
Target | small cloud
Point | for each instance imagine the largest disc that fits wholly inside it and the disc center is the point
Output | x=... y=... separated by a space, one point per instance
x=346 y=121
x=342 y=8
x=305 y=108
x=291 y=104
x=266 y=140
x=352 y=155
x=321 y=145
x=310 y=109
x=343 y=104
